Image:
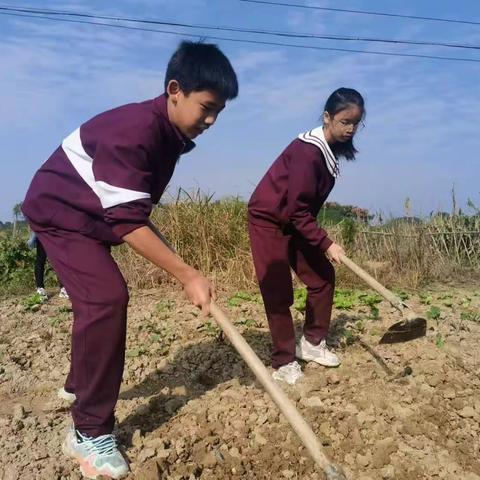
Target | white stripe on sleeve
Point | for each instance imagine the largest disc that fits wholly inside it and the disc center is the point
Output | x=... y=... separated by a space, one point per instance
x=109 y=195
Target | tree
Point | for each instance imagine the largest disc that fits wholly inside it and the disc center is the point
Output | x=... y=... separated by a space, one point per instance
x=17 y=215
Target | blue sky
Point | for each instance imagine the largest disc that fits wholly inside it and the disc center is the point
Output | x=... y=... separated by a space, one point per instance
x=422 y=133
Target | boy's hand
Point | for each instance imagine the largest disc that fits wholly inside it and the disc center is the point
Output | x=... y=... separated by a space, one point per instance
x=333 y=253
x=199 y=291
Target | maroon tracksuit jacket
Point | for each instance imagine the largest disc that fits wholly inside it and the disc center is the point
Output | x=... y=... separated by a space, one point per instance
x=99 y=185
x=284 y=233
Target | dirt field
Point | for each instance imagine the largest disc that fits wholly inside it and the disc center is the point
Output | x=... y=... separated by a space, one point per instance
x=190 y=408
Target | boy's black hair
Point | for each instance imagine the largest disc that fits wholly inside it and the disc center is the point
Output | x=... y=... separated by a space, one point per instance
x=202 y=66
x=339 y=100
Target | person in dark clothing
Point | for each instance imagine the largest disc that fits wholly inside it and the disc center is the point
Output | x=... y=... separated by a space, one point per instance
x=97 y=190
x=39 y=271
x=284 y=234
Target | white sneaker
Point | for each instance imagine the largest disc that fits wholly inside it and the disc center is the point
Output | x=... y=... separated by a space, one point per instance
x=63 y=293
x=316 y=353
x=64 y=395
x=290 y=373
x=96 y=456
x=43 y=293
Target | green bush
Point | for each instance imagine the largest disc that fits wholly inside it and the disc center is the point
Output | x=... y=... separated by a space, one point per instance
x=17 y=265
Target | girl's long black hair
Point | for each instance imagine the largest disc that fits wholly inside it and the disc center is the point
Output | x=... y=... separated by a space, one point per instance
x=339 y=100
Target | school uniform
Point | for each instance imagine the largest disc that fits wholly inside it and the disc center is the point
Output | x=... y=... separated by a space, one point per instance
x=284 y=234
x=98 y=186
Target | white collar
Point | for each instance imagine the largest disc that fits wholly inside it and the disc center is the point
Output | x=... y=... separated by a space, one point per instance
x=316 y=137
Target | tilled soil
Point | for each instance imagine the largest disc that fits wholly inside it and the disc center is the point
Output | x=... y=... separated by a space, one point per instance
x=190 y=408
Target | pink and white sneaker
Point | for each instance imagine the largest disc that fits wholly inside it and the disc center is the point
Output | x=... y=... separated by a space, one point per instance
x=96 y=455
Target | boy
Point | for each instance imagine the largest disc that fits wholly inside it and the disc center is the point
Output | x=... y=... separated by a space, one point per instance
x=97 y=190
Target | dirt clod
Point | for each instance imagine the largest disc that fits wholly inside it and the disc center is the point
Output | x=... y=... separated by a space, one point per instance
x=190 y=409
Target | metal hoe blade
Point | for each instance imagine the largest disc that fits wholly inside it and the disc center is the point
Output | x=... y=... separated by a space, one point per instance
x=410 y=328
x=405 y=330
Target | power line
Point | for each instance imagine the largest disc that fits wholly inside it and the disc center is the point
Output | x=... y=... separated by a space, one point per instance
x=248 y=41
x=237 y=29
x=363 y=12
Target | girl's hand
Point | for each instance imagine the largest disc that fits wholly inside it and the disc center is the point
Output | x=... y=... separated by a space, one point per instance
x=333 y=253
x=199 y=291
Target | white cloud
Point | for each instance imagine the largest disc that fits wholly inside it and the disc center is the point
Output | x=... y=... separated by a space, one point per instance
x=421 y=131
x=248 y=61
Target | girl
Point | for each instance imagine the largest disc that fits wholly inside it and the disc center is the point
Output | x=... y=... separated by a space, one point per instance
x=283 y=230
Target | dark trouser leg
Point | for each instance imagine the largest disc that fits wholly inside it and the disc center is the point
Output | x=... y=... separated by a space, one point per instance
x=99 y=300
x=40 y=259
x=318 y=274
x=40 y=262
x=270 y=256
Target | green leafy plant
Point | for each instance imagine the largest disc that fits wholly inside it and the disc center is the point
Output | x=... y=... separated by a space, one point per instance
x=55 y=321
x=344 y=299
x=371 y=300
x=446 y=299
x=300 y=299
x=470 y=316
x=155 y=337
x=136 y=352
x=374 y=312
x=164 y=306
x=465 y=302
x=33 y=302
x=161 y=336
x=360 y=326
x=247 y=322
x=240 y=297
x=65 y=309
x=439 y=340
x=210 y=329
x=425 y=299
x=349 y=336
x=433 y=313
x=234 y=301
x=63 y=314
x=403 y=295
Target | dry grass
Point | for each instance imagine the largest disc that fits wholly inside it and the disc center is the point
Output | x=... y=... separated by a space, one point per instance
x=212 y=236
x=412 y=254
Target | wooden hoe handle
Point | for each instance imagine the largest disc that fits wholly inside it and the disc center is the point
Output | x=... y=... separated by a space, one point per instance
x=371 y=282
x=302 y=429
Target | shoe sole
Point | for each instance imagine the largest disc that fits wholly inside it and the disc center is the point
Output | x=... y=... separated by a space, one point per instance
x=311 y=358
x=86 y=469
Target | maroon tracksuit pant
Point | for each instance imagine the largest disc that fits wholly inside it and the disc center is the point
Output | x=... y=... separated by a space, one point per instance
x=274 y=252
x=99 y=299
